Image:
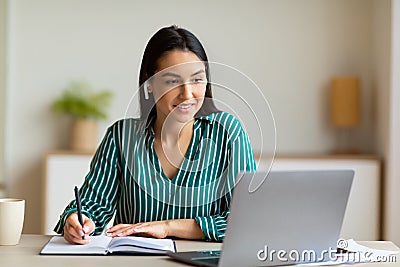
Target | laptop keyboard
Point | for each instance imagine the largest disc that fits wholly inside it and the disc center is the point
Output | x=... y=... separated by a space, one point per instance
x=207 y=254
x=211 y=252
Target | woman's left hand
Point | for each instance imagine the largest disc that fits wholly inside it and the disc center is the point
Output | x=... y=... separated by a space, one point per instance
x=157 y=229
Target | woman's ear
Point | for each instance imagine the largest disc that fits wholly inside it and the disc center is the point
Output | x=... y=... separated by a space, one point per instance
x=147 y=89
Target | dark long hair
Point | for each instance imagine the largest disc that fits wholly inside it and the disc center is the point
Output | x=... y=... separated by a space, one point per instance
x=163 y=41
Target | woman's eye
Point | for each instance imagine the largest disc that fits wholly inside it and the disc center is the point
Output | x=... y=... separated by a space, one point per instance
x=198 y=80
x=172 y=81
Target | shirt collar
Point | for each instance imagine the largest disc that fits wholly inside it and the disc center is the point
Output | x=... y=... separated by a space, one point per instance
x=207 y=118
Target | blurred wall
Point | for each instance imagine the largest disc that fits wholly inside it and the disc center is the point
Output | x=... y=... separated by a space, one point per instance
x=291 y=49
x=392 y=177
x=3 y=21
x=381 y=24
x=386 y=84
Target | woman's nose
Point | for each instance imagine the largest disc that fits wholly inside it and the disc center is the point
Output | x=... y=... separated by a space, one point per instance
x=186 y=91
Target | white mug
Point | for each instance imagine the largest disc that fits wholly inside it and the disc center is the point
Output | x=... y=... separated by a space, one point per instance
x=12 y=212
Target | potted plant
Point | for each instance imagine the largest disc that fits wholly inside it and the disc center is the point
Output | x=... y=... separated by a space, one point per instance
x=86 y=107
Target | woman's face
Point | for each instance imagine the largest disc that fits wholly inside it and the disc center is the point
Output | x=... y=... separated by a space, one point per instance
x=179 y=85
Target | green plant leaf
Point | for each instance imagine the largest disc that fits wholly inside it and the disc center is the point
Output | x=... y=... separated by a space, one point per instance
x=80 y=101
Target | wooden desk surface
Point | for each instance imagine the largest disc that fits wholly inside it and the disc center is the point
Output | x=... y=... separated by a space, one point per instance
x=27 y=254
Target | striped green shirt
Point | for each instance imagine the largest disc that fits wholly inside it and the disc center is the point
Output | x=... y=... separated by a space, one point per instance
x=126 y=177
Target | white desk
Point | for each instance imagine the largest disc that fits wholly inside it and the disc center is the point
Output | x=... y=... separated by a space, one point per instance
x=27 y=254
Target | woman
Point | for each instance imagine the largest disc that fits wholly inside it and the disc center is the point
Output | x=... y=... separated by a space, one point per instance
x=171 y=172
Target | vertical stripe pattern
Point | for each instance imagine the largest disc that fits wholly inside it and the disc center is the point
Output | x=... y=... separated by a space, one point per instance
x=126 y=177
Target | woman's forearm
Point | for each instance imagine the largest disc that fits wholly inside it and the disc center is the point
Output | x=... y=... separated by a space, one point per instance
x=184 y=228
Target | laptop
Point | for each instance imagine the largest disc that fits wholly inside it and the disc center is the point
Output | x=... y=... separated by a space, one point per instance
x=298 y=214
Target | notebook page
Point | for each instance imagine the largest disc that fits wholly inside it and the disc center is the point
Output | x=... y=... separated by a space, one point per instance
x=145 y=242
x=132 y=250
x=58 y=245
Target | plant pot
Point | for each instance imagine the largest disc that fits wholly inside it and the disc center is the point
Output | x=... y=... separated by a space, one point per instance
x=83 y=135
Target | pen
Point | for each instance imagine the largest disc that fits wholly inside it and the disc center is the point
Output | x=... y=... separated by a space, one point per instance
x=79 y=208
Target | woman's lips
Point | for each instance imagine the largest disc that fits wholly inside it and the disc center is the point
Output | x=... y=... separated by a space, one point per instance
x=184 y=108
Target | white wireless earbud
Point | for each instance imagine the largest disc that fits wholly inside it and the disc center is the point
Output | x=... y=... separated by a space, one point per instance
x=146 y=90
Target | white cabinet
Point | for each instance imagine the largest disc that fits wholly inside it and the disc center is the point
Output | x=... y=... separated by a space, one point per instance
x=63 y=170
x=362 y=219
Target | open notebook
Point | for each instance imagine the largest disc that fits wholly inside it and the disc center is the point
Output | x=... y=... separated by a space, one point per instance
x=104 y=245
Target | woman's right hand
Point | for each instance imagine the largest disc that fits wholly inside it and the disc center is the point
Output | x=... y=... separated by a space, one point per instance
x=73 y=230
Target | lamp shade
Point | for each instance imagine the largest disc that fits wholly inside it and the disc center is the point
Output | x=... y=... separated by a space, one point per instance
x=345 y=102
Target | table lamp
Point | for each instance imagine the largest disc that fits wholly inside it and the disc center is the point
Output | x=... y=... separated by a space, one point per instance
x=345 y=109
